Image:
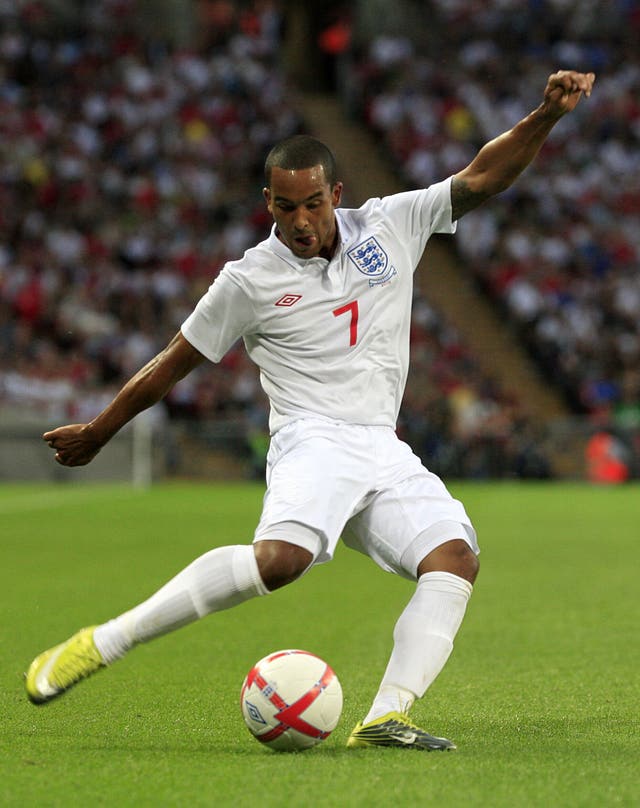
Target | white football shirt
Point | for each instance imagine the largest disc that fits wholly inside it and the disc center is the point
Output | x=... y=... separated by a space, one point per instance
x=331 y=338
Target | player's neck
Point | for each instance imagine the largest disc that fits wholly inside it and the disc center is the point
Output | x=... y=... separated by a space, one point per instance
x=329 y=252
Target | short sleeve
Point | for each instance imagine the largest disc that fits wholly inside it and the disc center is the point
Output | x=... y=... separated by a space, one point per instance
x=223 y=315
x=416 y=215
x=427 y=210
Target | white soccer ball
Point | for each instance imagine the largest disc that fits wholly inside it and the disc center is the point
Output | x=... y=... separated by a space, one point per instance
x=291 y=700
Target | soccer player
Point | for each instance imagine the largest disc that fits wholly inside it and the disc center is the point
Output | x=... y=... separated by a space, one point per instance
x=323 y=306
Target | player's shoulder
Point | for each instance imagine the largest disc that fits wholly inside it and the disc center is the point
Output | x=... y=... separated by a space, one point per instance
x=366 y=214
x=256 y=273
x=366 y=209
x=257 y=262
x=418 y=196
x=253 y=259
x=381 y=206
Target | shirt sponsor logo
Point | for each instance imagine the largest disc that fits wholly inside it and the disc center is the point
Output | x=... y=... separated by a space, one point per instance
x=372 y=261
x=288 y=300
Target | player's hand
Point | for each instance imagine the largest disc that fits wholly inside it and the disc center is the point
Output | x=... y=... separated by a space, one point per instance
x=565 y=88
x=74 y=444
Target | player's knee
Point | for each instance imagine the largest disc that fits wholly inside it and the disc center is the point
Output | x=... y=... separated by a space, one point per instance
x=453 y=556
x=469 y=565
x=280 y=562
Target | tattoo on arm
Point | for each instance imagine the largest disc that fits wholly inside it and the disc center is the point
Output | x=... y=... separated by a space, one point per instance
x=463 y=199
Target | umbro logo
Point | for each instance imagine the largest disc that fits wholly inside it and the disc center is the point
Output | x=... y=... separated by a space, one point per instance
x=288 y=300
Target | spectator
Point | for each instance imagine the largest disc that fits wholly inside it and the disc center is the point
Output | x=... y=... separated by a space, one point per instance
x=563 y=266
x=125 y=176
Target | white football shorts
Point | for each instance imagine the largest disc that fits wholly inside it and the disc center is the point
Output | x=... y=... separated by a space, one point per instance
x=364 y=484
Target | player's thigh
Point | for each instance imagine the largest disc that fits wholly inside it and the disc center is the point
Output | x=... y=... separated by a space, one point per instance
x=406 y=521
x=315 y=479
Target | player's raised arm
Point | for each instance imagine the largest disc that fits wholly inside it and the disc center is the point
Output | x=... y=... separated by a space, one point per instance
x=500 y=161
x=78 y=444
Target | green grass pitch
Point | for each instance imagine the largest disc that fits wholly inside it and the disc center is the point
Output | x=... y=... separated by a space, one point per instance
x=541 y=694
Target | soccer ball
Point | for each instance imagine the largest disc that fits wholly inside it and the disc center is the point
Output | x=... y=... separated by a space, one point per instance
x=291 y=700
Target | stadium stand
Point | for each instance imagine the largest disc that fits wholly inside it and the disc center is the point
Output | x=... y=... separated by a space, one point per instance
x=130 y=171
x=561 y=265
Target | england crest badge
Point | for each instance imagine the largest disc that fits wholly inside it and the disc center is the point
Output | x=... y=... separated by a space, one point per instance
x=372 y=261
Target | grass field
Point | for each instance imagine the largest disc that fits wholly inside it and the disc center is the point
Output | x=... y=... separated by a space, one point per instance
x=542 y=693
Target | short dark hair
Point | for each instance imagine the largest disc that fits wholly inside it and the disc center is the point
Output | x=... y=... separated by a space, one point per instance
x=301 y=151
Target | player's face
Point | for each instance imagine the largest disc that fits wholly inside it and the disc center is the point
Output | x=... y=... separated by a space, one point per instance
x=302 y=204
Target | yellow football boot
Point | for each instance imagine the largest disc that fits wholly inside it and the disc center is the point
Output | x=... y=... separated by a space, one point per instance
x=56 y=670
x=395 y=729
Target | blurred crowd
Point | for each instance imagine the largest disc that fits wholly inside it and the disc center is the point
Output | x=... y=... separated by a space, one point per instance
x=130 y=171
x=560 y=251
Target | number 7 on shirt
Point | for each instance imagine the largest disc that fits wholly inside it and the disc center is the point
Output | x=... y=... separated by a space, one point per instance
x=353 y=328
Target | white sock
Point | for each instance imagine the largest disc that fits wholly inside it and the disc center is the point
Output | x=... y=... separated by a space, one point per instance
x=217 y=580
x=423 y=640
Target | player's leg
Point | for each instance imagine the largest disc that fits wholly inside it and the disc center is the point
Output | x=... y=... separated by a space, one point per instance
x=296 y=528
x=425 y=631
x=442 y=557
x=285 y=545
x=422 y=643
x=218 y=580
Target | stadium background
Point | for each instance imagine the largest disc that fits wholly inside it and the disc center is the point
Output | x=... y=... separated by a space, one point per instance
x=132 y=136
x=129 y=171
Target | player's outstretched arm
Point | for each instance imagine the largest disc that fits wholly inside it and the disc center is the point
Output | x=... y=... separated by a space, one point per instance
x=500 y=161
x=78 y=444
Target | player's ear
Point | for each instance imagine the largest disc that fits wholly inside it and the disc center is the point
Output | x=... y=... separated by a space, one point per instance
x=266 y=193
x=336 y=194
